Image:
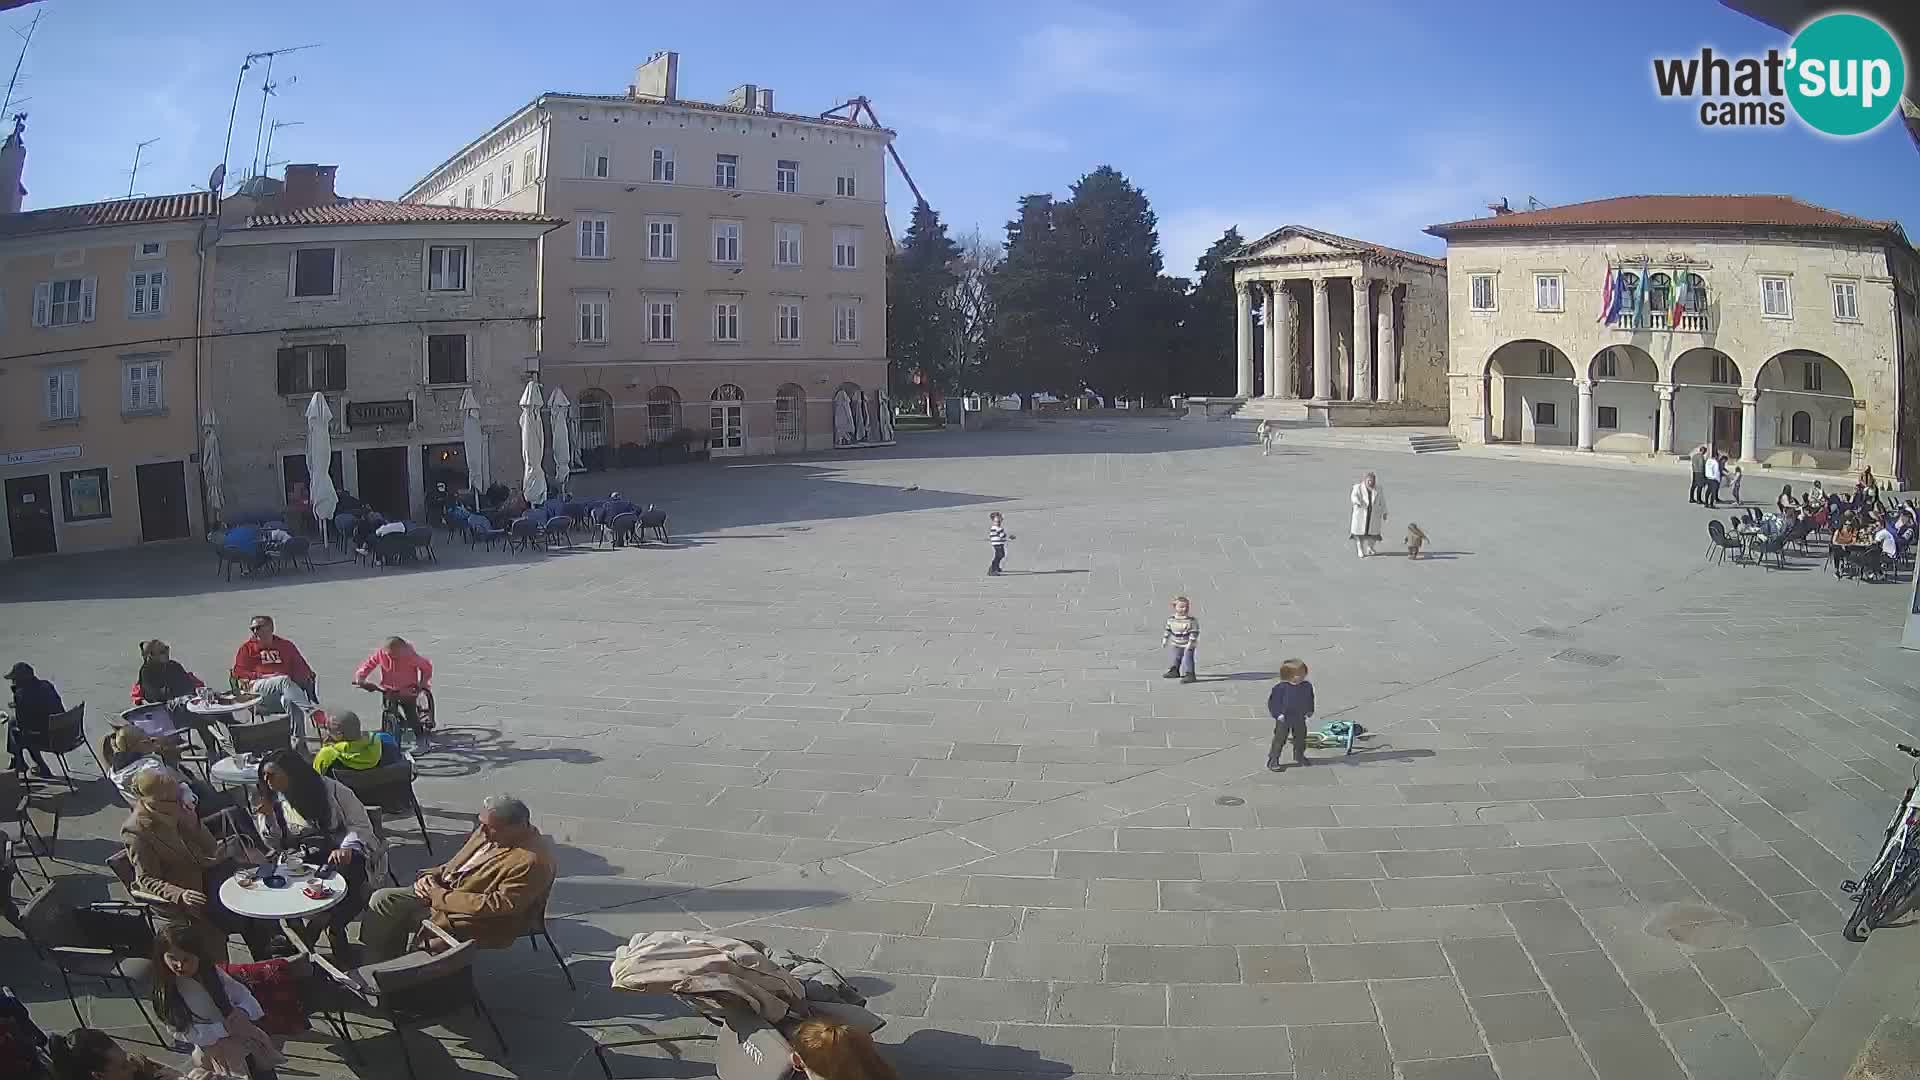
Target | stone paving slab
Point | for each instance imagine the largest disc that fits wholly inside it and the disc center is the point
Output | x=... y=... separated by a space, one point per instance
x=815 y=722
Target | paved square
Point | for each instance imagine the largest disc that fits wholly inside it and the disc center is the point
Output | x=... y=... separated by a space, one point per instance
x=1599 y=830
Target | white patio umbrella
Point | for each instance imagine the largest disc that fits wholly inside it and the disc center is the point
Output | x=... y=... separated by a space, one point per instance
x=474 y=444
x=320 y=463
x=210 y=477
x=533 y=446
x=560 y=415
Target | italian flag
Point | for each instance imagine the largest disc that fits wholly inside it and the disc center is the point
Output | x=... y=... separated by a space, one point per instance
x=1679 y=298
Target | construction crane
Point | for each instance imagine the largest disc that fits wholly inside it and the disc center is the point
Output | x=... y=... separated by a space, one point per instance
x=849 y=111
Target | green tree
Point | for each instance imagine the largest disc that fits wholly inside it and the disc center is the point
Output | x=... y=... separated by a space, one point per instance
x=1117 y=320
x=1208 y=356
x=1028 y=348
x=920 y=309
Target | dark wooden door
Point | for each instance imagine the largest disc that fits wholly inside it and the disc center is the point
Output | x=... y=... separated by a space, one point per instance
x=163 y=500
x=383 y=481
x=30 y=515
x=1726 y=431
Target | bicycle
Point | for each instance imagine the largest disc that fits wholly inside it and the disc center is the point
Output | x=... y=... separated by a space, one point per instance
x=1890 y=880
x=393 y=719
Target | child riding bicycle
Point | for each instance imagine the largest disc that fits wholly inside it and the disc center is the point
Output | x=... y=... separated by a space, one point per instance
x=404 y=675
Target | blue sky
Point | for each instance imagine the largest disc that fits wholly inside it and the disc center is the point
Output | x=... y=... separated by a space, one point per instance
x=1367 y=117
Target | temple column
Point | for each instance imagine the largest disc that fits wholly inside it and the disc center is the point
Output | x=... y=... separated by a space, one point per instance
x=1280 y=358
x=1362 y=339
x=1322 y=343
x=1243 y=340
x=1267 y=322
x=1389 y=388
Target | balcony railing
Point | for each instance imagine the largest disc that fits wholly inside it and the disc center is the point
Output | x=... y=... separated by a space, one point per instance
x=1691 y=322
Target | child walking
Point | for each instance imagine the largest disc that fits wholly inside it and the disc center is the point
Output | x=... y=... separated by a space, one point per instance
x=997 y=536
x=1290 y=703
x=1733 y=485
x=208 y=1008
x=1181 y=637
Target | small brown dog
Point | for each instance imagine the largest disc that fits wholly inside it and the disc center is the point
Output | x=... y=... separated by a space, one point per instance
x=1415 y=540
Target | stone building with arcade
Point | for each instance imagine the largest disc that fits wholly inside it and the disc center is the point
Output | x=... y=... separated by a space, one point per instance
x=1780 y=333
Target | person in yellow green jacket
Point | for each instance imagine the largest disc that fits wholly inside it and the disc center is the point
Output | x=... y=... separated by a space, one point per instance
x=351 y=748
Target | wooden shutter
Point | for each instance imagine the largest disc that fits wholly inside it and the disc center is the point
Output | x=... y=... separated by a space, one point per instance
x=336 y=367
x=86 y=299
x=288 y=381
x=42 y=299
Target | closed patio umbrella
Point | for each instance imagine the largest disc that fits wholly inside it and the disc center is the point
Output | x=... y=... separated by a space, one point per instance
x=533 y=445
x=473 y=443
x=560 y=415
x=210 y=477
x=320 y=463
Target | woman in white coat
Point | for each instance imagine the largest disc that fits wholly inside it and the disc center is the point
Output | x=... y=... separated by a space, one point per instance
x=1369 y=515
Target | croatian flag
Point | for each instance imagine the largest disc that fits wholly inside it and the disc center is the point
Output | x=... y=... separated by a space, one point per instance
x=1616 y=294
x=1608 y=295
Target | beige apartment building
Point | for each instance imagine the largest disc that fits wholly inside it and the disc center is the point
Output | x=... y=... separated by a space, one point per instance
x=1780 y=333
x=723 y=268
x=99 y=321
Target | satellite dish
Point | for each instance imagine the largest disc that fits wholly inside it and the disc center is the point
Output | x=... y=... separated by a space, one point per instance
x=218 y=180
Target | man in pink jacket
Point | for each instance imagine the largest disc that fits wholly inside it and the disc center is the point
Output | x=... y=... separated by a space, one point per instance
x=404 y=673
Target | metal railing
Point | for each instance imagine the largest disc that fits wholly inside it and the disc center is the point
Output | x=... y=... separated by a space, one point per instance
x=1691 y=322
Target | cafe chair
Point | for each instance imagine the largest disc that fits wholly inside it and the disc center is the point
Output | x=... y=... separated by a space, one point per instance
x=420 y=543
x=297 y=554
x=389 y=787
x=59 y=933
x=746 y=1047
x=621 y=529
x=416 y=990
x=63 y=735
x=14 y=795
x=654 y=520
x=558 y=531
x=261 y=736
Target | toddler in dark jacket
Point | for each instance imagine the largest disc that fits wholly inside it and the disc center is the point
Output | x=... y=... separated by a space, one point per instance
x=1290 y=703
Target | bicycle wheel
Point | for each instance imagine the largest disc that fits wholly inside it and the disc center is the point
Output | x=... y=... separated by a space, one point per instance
x=1872 y=903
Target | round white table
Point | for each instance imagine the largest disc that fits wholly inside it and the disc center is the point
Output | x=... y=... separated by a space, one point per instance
x=222 y=710
x=231 y=771
x=288 y=902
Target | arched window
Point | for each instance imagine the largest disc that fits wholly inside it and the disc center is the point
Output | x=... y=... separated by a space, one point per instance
x=1659 y=297
x=729 y=392
x=1802 y=428
x=593 y=414
x=1694 y=296
x=790 y=414
x=726 y=423
x=663 y=413
x=1846 y=433
x=1606 y=366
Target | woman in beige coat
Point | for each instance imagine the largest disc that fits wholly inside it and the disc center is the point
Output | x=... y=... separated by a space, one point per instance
x=176 y=859
x=1369 y=515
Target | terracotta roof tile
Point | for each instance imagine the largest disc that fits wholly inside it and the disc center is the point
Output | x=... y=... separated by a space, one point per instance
x=145 y=210
x=1781 y=211
x=385 y=212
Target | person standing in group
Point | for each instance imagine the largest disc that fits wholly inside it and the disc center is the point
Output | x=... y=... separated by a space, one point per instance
x=1710 y=484
x=1290 y=704
x=1696 y=491
x=998 y=536
x=1369 y=515
x=1181 y=638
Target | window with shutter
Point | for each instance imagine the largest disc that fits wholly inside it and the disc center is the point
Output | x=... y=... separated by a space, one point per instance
x=304 y=369
x=143 y=387
x=145 y=293
x=446 y=359
x=314 y=272
x=68 y=302
x=63 y=394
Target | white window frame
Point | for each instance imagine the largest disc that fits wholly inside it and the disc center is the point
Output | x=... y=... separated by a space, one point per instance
x=143 y=385
x=844 y=186
x=60 y=394
x=1810 y=376
x=660 y=320
x=787 y=253
x=147 y=293
x=466 y=198
x=1785 y=285
x=159 y=249
x=1550 y=406
x=530 y=164
x=846 y=322
x=590 y=313
x=846 y=247
x=486 y=190
x=1714 y=372
x=726 y=171
x=662 y=234
x=593 y=237
x=786 y=176
x=1473 y=292
x=293 y=274
x=726 y=321
x=81 y=301
x=1549 y=293
x=1599 y=417
x=596 y=162
x=726 y=240
x=1846 y=300
x=426 y=359
x=787 y=327
x=506 y=177
x=663 y=166
x=431 y=262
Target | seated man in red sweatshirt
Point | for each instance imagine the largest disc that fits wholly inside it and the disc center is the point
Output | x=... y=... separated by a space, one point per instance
x=272 y=667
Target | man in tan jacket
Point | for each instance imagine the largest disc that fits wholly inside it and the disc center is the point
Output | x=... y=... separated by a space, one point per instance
x=487 y=893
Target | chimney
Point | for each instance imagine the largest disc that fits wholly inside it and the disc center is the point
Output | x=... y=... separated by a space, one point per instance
x=1500 y=209
x=659 y=77
x=766 y=100
x=308 y=185
x=13 y=165
x=744 y=96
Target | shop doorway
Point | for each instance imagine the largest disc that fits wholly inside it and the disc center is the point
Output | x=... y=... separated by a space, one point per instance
x=30 y=515
x=1726 y=431
x=163 y=500
x=383 y=481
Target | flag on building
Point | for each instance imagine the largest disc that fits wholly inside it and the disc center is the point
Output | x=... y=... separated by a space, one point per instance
x=1640 y=294
x=1679 y=300
x=1609 y=295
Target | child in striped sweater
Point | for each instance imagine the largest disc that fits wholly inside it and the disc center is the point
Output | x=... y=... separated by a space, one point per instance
x=1181 y=637
x=997 y=536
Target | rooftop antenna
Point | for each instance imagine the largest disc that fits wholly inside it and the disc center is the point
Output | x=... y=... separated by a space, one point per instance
x=226 y=149
x=26 y=39
x=135 y=174
x=267 y=154
x=267 y=89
